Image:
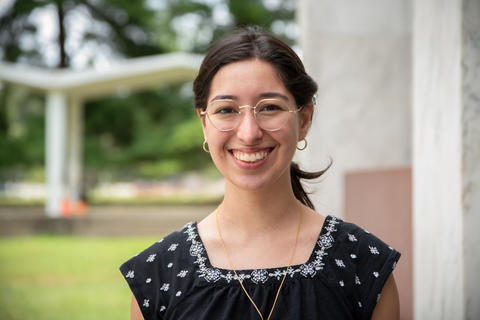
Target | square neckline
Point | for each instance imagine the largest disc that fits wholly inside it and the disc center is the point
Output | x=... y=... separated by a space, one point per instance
x=313 y=257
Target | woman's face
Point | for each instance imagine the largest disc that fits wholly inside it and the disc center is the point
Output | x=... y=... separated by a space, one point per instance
x=248 y=156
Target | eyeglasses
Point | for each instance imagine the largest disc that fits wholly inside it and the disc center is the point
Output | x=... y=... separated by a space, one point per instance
x=270 y=114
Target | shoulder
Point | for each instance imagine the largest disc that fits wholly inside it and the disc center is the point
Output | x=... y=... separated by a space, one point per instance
x=154 y=252
x=161 y=254
x=156 y=272
x=362 y=262
x=363 y=246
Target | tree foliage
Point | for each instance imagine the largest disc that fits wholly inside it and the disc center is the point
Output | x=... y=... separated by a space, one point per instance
x=148 y=134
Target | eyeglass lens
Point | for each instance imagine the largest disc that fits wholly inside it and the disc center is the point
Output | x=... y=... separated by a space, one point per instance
x=270 y=114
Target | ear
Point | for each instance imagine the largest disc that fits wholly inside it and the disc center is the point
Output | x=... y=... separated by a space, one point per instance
x=202 y=119
x=305 y=120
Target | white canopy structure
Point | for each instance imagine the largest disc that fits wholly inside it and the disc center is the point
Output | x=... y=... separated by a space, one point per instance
x=67 y=90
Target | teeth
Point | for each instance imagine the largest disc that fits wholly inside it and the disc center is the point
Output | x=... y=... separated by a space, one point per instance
x=250 y=157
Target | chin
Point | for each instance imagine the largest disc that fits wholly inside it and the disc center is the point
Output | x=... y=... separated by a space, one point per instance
x=251 y=186
x=255 y=183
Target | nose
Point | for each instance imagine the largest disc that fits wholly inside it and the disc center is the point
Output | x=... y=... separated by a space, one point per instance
x=248 y=129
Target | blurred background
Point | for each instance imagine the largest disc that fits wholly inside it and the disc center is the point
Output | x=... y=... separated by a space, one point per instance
x=100 y=147
x=140 y=138
x=142 y=170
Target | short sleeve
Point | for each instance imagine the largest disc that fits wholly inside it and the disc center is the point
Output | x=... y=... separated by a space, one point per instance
x=143 y=277
x=374 y=262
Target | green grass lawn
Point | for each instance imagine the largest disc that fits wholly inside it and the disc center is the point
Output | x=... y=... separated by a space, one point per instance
x=65 y=277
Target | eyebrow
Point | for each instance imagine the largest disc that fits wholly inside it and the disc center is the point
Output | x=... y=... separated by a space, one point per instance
x=274 y=95
x=262 y=96
x=224 y=97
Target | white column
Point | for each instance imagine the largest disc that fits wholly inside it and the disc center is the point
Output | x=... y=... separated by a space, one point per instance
x=446 y=159
x=358 y=51
x=55 y=151
x=75 y=148
x=471 y=154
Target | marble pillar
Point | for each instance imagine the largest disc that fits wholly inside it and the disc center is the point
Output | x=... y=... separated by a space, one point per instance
x=446 y=158
x=75 y=149
x=359 y=54
x=56 y=118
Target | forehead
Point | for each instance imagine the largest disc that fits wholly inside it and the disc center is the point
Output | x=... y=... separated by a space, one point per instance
x=247 y=80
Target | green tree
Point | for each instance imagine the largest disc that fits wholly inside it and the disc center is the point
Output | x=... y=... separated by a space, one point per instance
x=127 y=27
x=148 y=134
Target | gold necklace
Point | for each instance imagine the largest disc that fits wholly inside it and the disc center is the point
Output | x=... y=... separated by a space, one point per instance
x=241 y=282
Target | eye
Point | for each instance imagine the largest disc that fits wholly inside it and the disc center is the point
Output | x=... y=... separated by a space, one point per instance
x=223 y=108
x=270 y=107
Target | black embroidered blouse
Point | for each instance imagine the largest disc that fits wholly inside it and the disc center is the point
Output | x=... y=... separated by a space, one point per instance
x=342 y=279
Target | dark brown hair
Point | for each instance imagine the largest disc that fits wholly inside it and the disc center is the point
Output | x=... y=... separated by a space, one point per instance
x=252 y=43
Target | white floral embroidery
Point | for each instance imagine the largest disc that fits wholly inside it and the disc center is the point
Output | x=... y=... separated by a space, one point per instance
x=145 y=303
x=173 y=247
x=331 y=227
x=160 y=241
x=148 y=280
x=366 y=231
x=165 y=287
x=340 y=263
x=341 y=283
x=162 y=308
x=259 y=276
x=212 y=274
x=357 y=280
x=353 y=256
x=376 y=274
x=130 y=274
x=359 y=304
x=394 y=264
x=325 y=240
x=182 y=273
x=373 y=250
x=151 y=257
x=242 y=276
x=197 y=250
x=278 y=274
x=200 y=259
x=291 y=272
x=170 y=265
x=229 y=277
x=352 y=238
x=179 y=293
x=307 y=270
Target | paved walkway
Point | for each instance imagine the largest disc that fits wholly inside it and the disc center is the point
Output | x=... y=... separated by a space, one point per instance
x=119 y=220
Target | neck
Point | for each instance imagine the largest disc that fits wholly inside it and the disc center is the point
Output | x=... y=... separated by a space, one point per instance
x=262 y=209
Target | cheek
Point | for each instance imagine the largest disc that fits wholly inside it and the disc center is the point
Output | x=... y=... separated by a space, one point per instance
x=216 y=141
x=294 y=130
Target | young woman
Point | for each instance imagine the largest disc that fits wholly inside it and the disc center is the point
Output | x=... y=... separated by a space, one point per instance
x=264 y=253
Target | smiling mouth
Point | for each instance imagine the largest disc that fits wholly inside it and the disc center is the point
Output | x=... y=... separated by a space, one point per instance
x=251 y=156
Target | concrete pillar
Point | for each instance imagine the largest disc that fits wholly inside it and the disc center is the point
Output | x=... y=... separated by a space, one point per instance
x=55 y=151
x=75 y=149
x=359 y=53
x=446 y=159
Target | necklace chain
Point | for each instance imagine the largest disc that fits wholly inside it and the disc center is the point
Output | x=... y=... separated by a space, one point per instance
x=241 y=282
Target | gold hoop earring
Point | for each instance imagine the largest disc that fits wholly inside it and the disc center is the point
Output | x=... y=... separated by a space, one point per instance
x=304 y=146
x=204 y=146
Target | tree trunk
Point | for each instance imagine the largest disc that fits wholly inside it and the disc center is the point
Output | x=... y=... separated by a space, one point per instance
x=63 y=63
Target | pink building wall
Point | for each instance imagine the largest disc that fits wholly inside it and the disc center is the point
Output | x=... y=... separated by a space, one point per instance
x=381 y=202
